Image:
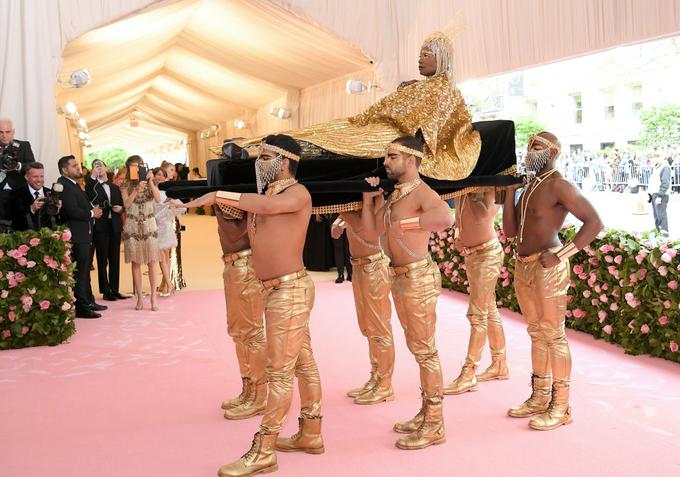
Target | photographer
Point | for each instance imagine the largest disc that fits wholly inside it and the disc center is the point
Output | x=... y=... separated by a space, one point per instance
x=107 y=229
x=14 y=155
x=34 y=206
x=76 y=214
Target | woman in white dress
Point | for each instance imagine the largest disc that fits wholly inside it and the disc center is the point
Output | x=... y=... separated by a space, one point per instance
x=167 y=239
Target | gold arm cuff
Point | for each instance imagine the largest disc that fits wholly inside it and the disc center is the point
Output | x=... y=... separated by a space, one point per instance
x=412 y=223
x=228 y=198
x=567 y=251
x=339 y=222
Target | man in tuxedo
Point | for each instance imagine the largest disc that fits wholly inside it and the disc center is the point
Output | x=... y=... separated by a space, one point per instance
x=28 y=201
x=76 y=214
x=107 y=229
x=11 y=177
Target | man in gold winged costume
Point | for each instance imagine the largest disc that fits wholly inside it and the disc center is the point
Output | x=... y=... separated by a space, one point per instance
x=434 y=106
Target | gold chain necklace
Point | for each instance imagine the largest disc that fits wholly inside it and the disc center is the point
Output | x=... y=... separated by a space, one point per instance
x=273 y=188
x=524 y=200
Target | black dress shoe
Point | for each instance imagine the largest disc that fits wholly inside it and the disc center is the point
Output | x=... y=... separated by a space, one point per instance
x=96 y=307
x=109 y=297
x=349 y=278
x=120 y=296
x=87 y=313
x=340 y=279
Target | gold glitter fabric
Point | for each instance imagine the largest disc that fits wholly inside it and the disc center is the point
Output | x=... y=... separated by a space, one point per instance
x=431 y=105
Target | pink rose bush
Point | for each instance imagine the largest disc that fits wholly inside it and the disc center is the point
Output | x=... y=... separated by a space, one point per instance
x=35 y=283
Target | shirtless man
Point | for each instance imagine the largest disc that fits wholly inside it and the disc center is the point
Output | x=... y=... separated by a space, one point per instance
x=542 y=275
x=404 y=223
x=243 y=297
x=476 y=239
x=277 y=227
x=371 y=288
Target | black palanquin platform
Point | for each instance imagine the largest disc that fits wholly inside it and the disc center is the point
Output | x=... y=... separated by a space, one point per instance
x=336 y=182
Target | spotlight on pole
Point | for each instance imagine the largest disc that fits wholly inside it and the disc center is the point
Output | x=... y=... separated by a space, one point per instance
x=281 y=113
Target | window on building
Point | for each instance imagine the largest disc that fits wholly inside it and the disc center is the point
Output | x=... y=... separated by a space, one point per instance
x=636 y=97
x=606 y=145
x=609 y=112
x=576 y=148
x=578 y=108
x=634 y=143
x=533 y=106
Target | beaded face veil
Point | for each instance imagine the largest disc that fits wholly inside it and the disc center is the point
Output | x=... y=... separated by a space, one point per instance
x=534 y=161
x=267 y=169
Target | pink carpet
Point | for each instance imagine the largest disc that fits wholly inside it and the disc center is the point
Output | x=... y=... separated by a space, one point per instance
x=138 y=394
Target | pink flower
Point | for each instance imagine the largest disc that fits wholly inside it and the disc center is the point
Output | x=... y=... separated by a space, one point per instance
x=605 y=286
x=644 y=329
x=24 y=330
x=613 y=306
x=615 y=293
x=643 y=273
x=673 y=284
x=663 y=271
x=578 y=313
x=639 y=259
x=65 y=306
x=26 y=300
x=2 y=253
x=568 y=313
x=607 y=329
x=618 y=259
x=578 y=269
x=34 y=242
x=506 y=282
x=672 y=252
x=4 y=294
x=602 y=315
x=44 y=305
x=594 y=302
x=7 y=334
x=22 y=261
x=667 y=304
x=23 y=248
x=12 y=316
x=663 y=320
x=674 y=346
x=586 y=293
x=665 y=257
x=604 y=298
x=30 y=264
x=594 y=261
x=608 y=258
x=607 y=248
x=66 y=236
x=506 y=250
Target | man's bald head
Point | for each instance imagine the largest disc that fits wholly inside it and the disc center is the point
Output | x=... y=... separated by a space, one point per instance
x=6 y=131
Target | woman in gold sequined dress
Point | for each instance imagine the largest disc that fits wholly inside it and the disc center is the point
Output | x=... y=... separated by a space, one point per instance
x=140 y=232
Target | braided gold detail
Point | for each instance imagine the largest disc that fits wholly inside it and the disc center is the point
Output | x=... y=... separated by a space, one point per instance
x=278 y=150
x=405 y=149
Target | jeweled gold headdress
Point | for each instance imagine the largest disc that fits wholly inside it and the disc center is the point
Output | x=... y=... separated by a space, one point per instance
x=544 y=141
x=405 y=149
x=279 y=151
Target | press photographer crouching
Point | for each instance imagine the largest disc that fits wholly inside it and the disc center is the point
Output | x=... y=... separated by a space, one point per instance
x=33 y=205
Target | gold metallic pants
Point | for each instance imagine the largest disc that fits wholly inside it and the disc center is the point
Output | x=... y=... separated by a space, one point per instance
x=415 y=288
x=288 y=303
x=483 y=266
x=542 y=296
x=243 y=295
x=371 y=286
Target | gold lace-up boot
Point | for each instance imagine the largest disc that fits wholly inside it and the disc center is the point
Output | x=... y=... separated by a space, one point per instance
x=431 y=430
x=370 y=384
x=240 y=398
x=307 y=439
x=497 y=370
x=253 y=404
x=559 y=411
x=465 y=382
x=260 y=459
x=538 y=401
x=381 y=392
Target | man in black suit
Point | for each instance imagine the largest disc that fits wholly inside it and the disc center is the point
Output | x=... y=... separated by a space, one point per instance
x=107 y=229
x=76 y=213
x=28 y=211
x=11 y=178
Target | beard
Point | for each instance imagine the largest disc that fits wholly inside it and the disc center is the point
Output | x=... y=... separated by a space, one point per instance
x=535 y=161
x=266 y=171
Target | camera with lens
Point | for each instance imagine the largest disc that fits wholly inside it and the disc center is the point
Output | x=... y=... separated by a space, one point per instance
x=51 y=203
x=8 y=162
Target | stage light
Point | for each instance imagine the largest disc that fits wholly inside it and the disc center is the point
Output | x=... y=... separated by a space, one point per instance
x=239 y=124
x=81 y=135
x=79 y=78
x=281 y=113
x=88 y=143
x=82 y=123
x=71 y=108
x=355 y=86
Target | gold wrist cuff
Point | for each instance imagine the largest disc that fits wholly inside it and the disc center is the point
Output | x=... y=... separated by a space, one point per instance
x=567 y=251
x=339 y=222
x=228 y=198
x=412 y=223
